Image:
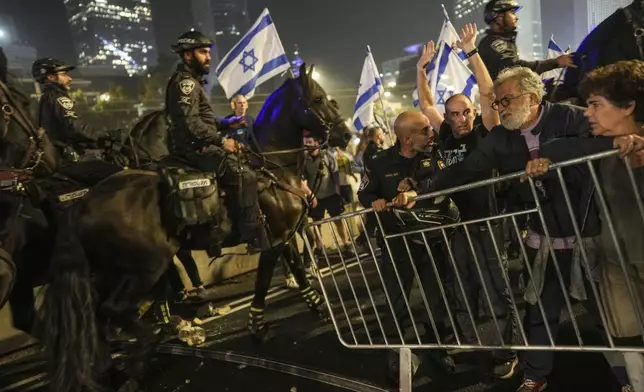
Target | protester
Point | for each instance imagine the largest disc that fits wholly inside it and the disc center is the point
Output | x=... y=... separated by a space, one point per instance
x=463 y=134
x=615 y=101
x=322 y=185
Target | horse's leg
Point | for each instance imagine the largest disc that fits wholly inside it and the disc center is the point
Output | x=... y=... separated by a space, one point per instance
x=311 y=296
x=123 y=308
x=256 y=323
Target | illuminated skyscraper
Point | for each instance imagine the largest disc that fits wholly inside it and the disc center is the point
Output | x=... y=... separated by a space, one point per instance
x=112 y=36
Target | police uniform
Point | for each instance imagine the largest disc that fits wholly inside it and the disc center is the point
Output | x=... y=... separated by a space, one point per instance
x=71 y=136
x=383 y=175
x=194 y=134
x=499 y=49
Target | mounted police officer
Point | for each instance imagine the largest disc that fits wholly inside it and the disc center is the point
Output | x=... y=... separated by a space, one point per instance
x=498 y=48
x=68 y=133
x=194 y=134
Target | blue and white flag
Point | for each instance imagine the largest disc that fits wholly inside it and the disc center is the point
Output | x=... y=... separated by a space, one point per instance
x=448 y=72
x=554 y=75
x=368 y=92
x=256 y=58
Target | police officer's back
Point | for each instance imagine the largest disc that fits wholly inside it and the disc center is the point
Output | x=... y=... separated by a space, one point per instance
x=56 y=114
x=195 y=134
x=498 y=48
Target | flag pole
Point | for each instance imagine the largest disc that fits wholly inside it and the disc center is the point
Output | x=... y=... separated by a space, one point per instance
x=384 y=111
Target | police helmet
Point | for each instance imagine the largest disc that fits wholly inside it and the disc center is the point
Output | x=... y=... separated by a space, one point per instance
x=191 y=40
x=43 y=67
x=495 y=7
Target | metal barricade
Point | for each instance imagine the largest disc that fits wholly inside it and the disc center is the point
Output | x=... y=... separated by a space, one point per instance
x=370 y=299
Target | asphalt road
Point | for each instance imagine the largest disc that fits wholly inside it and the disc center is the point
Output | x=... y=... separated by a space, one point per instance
x=304 y=354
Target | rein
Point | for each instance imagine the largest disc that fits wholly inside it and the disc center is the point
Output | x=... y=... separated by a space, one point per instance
x=11 y=111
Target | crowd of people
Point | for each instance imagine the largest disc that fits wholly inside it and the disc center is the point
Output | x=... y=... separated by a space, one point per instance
x=516 y=129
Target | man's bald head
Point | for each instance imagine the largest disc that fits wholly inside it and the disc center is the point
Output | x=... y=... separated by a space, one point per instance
x=407 y=122
x=413 y=131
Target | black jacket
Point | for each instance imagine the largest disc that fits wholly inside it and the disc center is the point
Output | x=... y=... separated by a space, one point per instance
x=370 y=151
x=57 y=116
x=499 y=51
x=385 y=171
x=507 y=151
x=193 y=122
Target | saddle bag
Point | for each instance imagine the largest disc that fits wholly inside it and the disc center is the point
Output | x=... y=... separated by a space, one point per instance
x=193 y=197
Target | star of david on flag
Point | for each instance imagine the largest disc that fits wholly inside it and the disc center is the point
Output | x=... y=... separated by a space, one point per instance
x=448 y=72
x=249 y=60
x=257 y=57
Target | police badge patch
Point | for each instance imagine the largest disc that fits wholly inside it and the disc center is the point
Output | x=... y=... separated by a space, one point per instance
x=364 y=182
x=499 y=45
x=66 y=103
x=186 y=86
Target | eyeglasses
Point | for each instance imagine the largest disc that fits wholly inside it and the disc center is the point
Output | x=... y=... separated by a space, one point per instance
x=505 y=102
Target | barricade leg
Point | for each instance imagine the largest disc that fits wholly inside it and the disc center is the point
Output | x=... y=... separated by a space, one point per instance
x=635 y=370
x=406 y=370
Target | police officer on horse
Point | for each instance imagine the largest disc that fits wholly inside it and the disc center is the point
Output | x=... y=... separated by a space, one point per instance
x=68 y=133
x=194 y=134
x=498 y=48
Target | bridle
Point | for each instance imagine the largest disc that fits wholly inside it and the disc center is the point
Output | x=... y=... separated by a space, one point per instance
x=307 y=108
x=11 y=111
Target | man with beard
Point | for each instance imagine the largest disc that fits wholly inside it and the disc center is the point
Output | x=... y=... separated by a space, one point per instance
x=465 y=129
x=527 y=123
x=499 y=46
x=194 y=134
x=73 y=138
x=384 y=176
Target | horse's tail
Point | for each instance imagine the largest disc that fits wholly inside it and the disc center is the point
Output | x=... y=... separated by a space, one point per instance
x=69 y=328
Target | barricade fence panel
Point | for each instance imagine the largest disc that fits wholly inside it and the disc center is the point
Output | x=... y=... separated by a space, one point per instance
x=454 y=286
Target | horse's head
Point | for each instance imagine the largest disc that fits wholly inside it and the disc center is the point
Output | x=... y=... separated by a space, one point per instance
x=22 y=145
x=315 y=112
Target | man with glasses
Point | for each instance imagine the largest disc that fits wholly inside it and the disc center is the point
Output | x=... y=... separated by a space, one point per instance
x=465 y=129
x=499 y=48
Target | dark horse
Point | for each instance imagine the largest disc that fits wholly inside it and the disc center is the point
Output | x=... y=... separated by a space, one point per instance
x=26 y=235
x=113 y=247
x=619 y=37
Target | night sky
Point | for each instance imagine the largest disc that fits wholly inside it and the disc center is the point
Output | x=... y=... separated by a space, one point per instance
x=331 y=33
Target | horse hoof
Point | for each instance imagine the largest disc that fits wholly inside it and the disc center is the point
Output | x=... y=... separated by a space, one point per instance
x=260 y=336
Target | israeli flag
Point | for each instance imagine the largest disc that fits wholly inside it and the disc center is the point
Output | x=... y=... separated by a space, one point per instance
x=555 y=75
x=256 y=58
x=448 y=72
x=368 y=92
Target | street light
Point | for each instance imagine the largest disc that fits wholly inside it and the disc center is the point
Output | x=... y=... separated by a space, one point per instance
x=391 y=84
x=316 y=75
x=387 y=94
x=105 y=97
x=2 y=33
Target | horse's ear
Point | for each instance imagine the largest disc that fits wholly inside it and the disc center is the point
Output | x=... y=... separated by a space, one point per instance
x=303 y=70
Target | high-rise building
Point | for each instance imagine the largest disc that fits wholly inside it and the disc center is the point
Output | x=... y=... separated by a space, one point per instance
x=598 y=10
x=529 y=39
x=231 y=22
x=112 y=36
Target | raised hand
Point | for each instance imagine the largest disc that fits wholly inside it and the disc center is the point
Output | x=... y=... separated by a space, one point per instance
x=426 y=56
x=468 y=38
